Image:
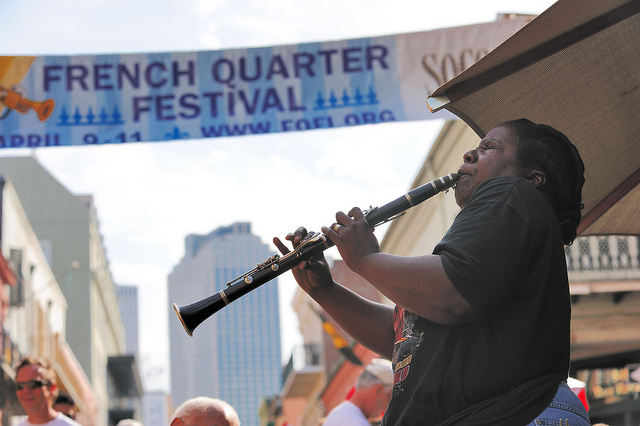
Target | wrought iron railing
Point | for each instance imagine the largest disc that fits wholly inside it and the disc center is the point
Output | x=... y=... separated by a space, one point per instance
x=611 y=257
x=301 y=357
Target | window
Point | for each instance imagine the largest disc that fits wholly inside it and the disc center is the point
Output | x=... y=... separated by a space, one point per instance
x=17 y=291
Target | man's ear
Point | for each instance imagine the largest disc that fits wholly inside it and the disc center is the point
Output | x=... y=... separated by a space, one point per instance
x=537 y=178
x=176 y=422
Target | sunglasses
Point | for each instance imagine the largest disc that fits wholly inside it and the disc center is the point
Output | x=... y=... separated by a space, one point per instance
x=32 y=384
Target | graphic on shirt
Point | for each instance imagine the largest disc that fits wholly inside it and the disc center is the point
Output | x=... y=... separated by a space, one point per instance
x=407 y=342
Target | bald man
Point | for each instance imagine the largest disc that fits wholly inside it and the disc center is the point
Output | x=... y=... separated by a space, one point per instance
x=205 y=411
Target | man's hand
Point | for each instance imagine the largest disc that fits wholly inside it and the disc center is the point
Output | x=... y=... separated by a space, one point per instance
x=311 y=274
x=353 y=236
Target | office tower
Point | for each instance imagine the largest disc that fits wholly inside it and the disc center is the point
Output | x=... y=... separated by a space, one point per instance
x=235 y=354
x=128 y=303
x=155 y=408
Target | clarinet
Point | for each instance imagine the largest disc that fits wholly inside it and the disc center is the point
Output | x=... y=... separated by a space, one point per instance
x=194 y=314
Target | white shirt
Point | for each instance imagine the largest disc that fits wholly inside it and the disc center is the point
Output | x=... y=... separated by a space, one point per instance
x=61 y=420
x=346 y=414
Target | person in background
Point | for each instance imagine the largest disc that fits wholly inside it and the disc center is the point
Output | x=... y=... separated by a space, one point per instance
x=65 y=404
x=480 y=330
x=36 y=389
x=205 y=411
x=370 y=399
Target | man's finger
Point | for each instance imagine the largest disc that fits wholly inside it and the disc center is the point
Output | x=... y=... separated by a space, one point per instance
x=283 y=249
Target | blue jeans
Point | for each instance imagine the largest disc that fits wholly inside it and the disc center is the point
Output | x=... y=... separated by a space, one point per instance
x=565 y=409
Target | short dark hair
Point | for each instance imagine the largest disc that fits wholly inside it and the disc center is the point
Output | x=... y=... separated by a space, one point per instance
x=63 y=398
x=544 y=148
x=44 y=363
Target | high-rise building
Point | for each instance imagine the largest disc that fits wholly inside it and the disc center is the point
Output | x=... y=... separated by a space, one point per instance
x=128 y=303
x=130 y=406
x=235 y=354
x=156 y=408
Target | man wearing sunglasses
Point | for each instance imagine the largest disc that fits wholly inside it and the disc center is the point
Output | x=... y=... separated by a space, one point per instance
x=36 y=389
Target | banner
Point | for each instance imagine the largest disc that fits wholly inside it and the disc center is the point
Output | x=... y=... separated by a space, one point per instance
x=100 y=99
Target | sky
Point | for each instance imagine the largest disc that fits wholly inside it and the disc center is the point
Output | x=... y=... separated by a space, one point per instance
x=149 y=196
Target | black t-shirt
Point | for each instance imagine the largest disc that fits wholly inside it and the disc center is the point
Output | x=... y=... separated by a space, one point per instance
x=504 y=253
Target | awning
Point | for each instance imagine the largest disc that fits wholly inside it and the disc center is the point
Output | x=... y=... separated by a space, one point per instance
x=126 y=376
x=575 y=67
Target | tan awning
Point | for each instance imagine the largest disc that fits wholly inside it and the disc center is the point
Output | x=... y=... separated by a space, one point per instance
x=575 y=67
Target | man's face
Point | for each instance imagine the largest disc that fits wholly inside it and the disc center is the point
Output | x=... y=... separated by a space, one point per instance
x=495 y=156
x=33 y=400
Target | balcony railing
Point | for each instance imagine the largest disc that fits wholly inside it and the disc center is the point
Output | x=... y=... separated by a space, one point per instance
x=304 y=372
x=301 y=357
x=607 y=257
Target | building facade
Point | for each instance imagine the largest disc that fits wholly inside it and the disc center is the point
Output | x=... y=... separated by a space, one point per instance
x=68 y=230
x=34 y=313
x=235 y=354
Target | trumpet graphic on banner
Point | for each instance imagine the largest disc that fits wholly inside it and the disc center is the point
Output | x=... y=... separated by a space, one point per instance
x=15 y=101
